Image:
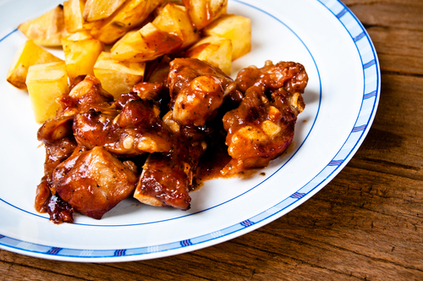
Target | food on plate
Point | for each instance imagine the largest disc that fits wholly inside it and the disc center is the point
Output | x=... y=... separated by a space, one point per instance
x=214 y=49
x=93 y=181
x=46 y=83
x=81 y=52
x=147 y=44
x=160 y=142
x=128 y=16
x=72 y=15
x=174 y=19
x=46 y=30
x=118 y=77
x=144 y=98
x=100 y=9
x=262 y=127
x=28 y=54
x=203 y=12
x=234 y=27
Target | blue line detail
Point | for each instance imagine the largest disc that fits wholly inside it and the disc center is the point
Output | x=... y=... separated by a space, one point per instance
x=359 y=128
x=298 y=195
x=7 y=35
x=359 y=37
x=369 y=64
x=247 y=223
x=119 y=253
x=54 y=251
x=370 y=95
x=185 y=243
x=342 y=13
x=335 y=162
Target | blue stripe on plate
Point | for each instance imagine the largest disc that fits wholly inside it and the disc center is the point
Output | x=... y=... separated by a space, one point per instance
x=54 y=251
x=370 y=95
x=360 y=36
x=298 y=195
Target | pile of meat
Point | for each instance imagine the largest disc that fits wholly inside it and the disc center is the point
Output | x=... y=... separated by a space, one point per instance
x=148 y=143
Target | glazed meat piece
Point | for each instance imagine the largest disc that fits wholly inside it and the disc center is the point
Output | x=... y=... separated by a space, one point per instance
x=57 y=137
x=130 y=125
x=168 y=178
x=197 y=90
x=134 y=130
x=45 y=198
x=262 y=127
x=164 y=182
x=198 y=101
x=94 y=181
x=85 y=94
x=289 y=75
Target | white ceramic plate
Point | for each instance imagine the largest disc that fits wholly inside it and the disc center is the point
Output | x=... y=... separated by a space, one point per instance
x=341 y=102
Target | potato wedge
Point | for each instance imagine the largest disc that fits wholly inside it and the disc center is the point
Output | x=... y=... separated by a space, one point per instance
x=28 y=54
x=127 y=17
x=72 y=10
x=203 y=12
x=81 y=53
x=100 y=9
x=146 y=44
x=215 y=50
x=46 y=82
x=174 y=19
x=46 y=30
x=118 y=77
x=234 y=27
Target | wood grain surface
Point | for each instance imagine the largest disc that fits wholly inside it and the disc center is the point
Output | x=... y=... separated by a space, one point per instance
x=365 y=225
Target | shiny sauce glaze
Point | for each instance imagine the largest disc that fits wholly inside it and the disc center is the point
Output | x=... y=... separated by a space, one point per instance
x=187 y=123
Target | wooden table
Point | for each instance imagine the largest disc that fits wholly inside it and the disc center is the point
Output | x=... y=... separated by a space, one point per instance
x=367 y=224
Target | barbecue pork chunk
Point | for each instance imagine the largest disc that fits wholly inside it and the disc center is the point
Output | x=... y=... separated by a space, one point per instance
x=94 y=181
x=197 y=90
x=262 y=127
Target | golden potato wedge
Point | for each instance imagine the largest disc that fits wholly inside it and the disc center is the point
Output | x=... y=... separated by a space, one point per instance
x=46 y=82
x=146 y=44
x=127 y=17
x=28 y=54
x=234 y=27
x=118 y=77
x=72 y=10
x=174 y=19
x=100 y=9
x=81 y=52
x=203 y=12
x=215 y=50
x=46 y=30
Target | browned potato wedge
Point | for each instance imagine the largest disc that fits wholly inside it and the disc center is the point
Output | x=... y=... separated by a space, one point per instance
x=81 y=53
x=234 y=27
x=127 y=17
x=100 y=9
x=146 y=44
x=46 y=82
x=174 y=19
x=46 y=30
x=118 y=77
x=28 y=54
x=215 y=50
x=72 y=10
x=203 y=12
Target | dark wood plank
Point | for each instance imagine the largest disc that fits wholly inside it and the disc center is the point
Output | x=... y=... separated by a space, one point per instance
x=394 y=144
x=394 y=14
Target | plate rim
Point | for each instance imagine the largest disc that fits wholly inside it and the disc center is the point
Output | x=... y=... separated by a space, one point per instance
x=370 y=68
